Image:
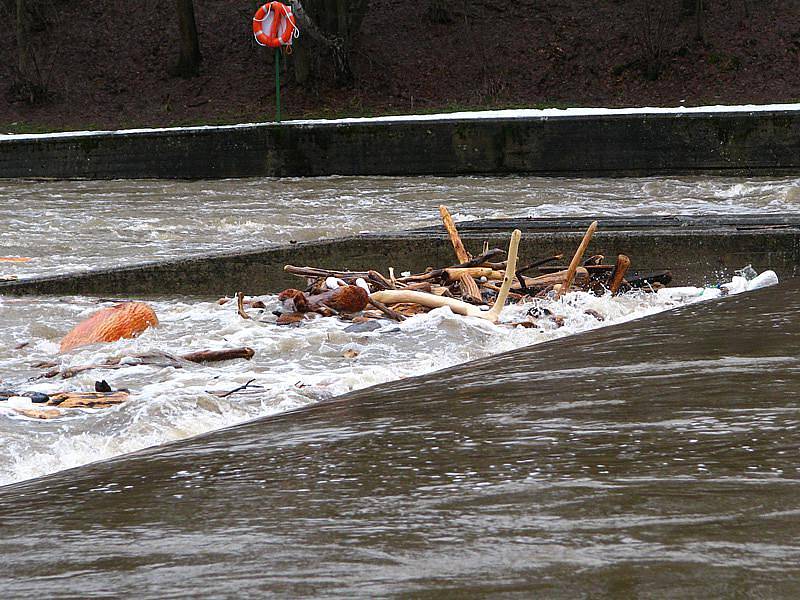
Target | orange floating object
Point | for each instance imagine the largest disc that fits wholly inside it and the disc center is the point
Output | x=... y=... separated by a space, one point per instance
x=274 y=25
x=15 y=259
x=126 y=320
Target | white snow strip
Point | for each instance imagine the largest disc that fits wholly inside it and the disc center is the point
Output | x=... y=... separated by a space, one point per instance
x=527 y=113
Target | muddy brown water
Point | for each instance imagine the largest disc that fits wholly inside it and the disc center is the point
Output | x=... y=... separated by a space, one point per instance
x=657 y=458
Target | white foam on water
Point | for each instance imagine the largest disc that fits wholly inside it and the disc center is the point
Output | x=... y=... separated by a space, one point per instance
x=292 y=367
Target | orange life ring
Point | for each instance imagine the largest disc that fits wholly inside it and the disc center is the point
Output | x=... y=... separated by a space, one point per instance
x=274 y=25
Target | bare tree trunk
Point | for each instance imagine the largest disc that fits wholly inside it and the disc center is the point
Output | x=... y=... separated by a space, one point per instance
x=338 y=44
x=24 y=54
x=189 y=59
x=438 y=13
x=700 y=34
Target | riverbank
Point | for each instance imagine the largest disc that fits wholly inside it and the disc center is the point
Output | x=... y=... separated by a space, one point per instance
x=489 y=55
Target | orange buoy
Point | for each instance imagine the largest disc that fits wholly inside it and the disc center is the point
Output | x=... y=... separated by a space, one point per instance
x=274 y=25
x=126 y=320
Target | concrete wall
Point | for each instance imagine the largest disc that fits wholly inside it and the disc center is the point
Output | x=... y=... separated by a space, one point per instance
x=701 y=254
x=758 y=142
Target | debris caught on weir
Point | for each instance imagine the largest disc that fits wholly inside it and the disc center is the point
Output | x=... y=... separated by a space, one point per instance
x=478 y=286
x=473 y=286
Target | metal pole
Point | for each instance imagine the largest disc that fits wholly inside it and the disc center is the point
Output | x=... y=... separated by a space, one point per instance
x=278 y=84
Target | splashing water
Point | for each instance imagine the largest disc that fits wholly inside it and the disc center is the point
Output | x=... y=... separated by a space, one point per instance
x=292 y=367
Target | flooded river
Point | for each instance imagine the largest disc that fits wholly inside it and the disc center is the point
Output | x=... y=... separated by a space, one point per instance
x=653 y=455
x=67 y=226
x=656 y=458
x=74 y=225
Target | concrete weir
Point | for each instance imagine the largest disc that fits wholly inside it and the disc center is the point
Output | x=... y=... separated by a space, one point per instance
x=735 y=140
x=698 y=250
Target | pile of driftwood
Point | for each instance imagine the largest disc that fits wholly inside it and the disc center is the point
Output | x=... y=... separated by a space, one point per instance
x=473 y=286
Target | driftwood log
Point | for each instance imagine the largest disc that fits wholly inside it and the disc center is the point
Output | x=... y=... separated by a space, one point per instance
x=88 y=399
x=459 y=306
x=618 y=275
x=469 y=288
x=162 y=359
x=576 y=259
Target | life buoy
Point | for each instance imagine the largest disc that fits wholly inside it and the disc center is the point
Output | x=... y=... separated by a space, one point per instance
x=274 y=25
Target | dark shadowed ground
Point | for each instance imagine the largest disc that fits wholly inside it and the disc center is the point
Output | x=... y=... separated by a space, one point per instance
x=105 y=63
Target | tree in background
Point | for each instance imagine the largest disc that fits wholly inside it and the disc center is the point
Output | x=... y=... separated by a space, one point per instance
x=189 y=57
x=656 y=26
x=439 y=12
x=34 y=61
x=328 y=28
x=23 y=24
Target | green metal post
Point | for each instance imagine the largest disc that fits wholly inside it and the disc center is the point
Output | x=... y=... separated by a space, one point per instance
x=278 y=84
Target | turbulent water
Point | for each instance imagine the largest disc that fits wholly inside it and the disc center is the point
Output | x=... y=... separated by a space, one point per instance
x=292 y=367
x=656 y=459
x=66 y=226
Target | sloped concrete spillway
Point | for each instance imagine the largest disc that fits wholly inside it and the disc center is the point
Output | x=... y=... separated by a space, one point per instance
x=698 y=250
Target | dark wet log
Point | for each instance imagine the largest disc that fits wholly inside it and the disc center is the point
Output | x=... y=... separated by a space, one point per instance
x=496 y=288
x=643 y=281
x=592 y=269
x=480 y=261
x=392 y=314
x=204 y=356
x=160 y=359
x=539 y=263
x=314 y=272
x=536 y=284
x=380 y=281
